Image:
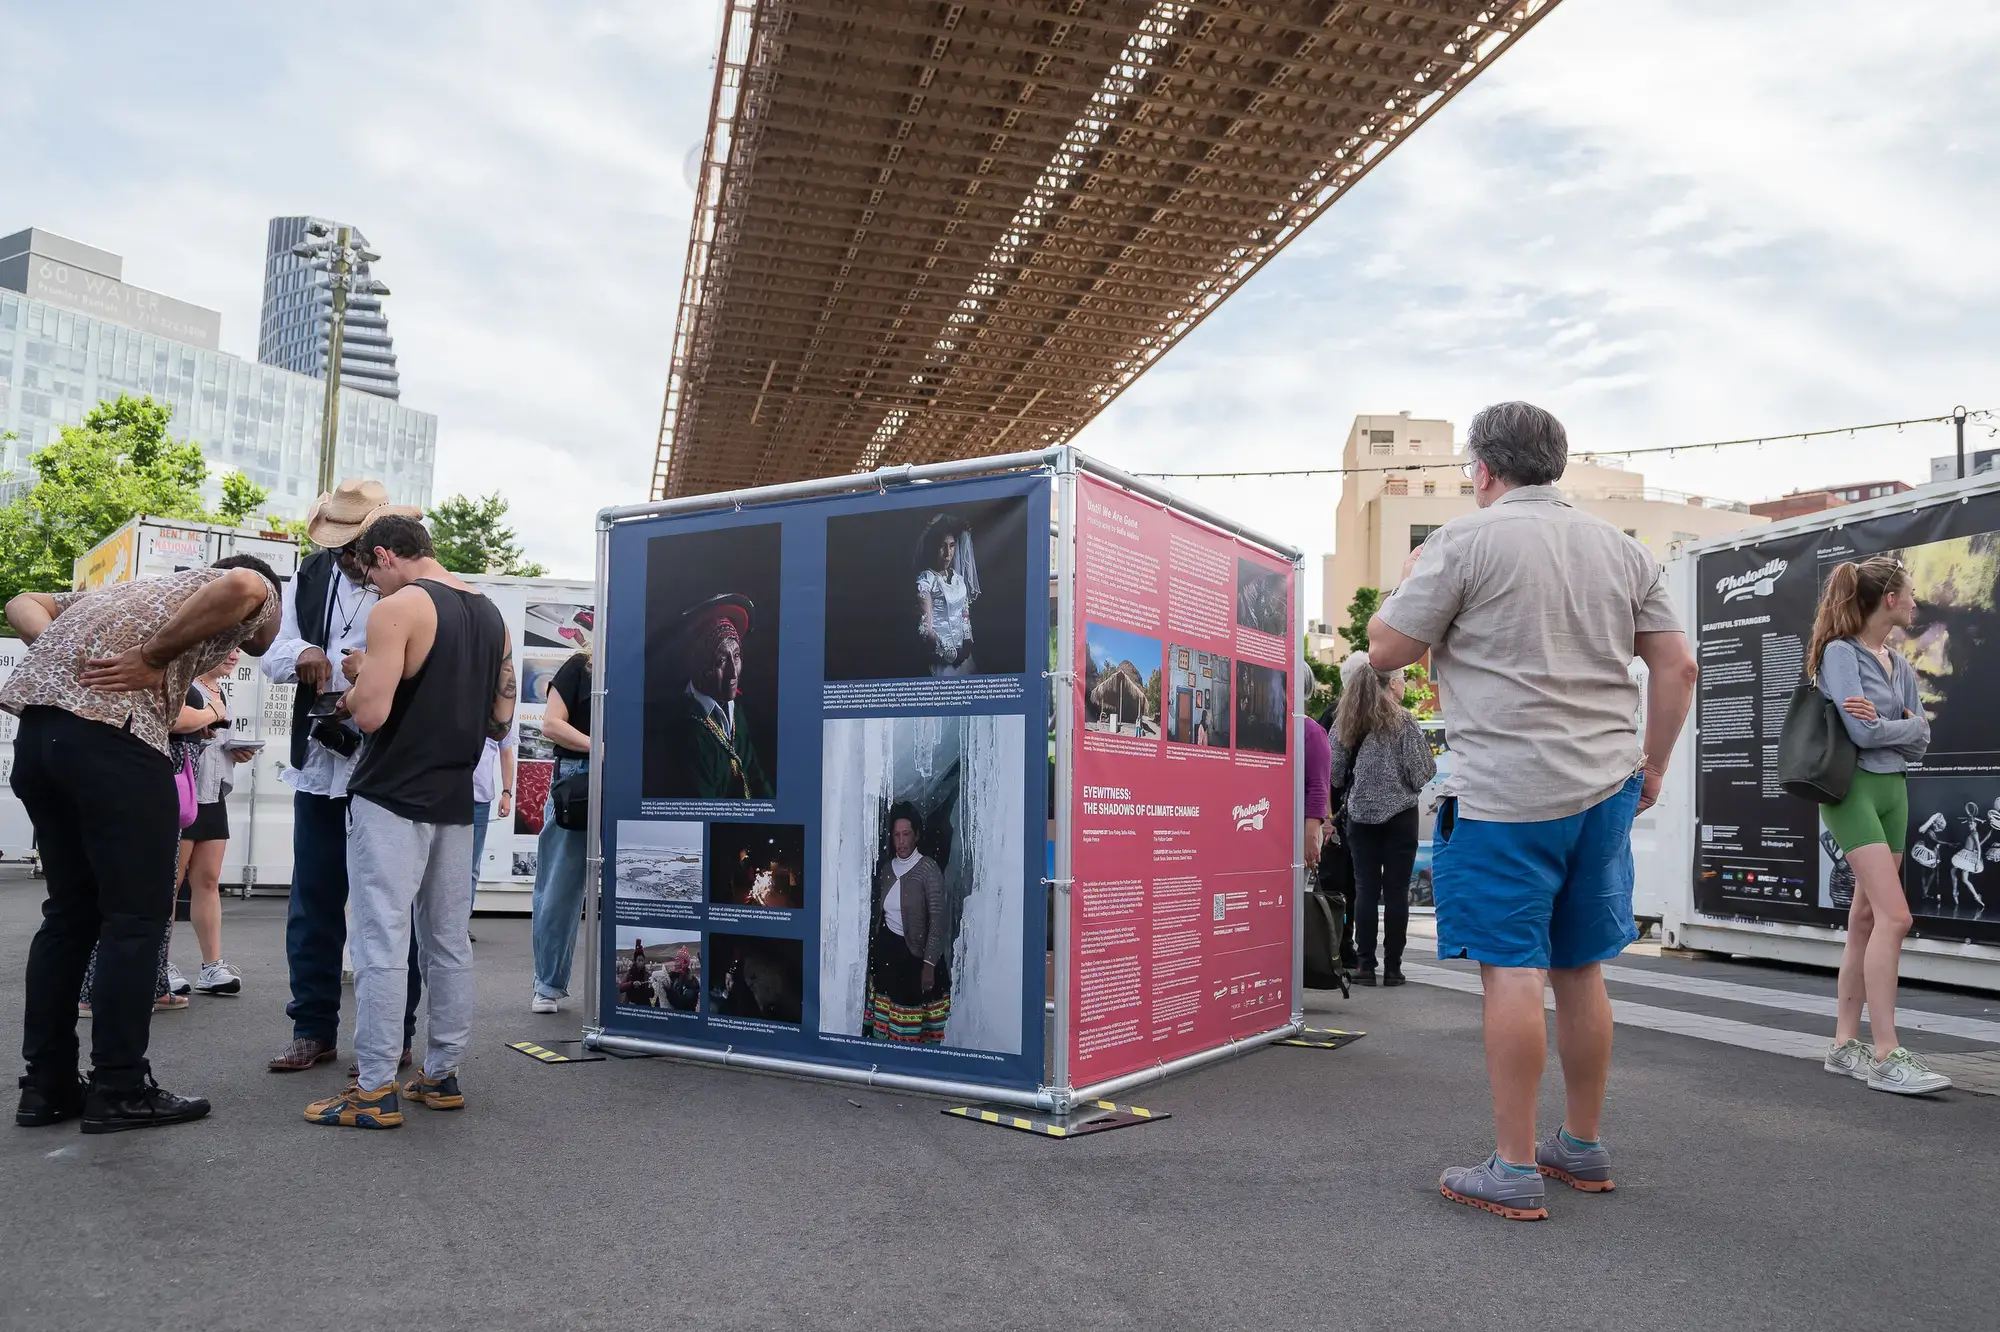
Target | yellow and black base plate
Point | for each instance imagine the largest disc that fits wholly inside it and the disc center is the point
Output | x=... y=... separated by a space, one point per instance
x=1085 y=1117
x=1324 y=1038
x=545 y=1054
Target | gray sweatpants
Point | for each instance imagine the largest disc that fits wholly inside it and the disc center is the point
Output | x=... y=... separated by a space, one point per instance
x=394 y=865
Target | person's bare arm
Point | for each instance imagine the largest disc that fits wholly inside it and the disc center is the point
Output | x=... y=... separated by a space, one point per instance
x=30 y=613
x=1390 y=649
x=235 y=598
x=501 y=719
x=1670 y=678
x=373 y=692
x=555 y=724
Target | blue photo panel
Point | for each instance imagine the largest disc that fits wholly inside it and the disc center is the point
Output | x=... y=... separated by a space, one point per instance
x=825 y=790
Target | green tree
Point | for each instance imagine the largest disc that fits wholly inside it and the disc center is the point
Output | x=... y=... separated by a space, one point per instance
x=472 y=536
x=1419 y=693
x=1367 y=600
x=118 y=464
x=1323 y=690
x=240 y=498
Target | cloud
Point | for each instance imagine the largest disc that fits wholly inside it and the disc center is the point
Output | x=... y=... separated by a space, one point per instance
x=1668 y=220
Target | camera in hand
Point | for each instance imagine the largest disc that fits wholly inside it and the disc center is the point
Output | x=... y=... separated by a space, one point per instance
x=331 y=728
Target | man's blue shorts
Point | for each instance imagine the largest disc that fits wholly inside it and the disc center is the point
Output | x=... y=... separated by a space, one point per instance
x=1552 y=894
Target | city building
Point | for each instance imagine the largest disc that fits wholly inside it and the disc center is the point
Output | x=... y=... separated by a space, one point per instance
x=60 y=357
x=1976 y=461
x=296 y=330
x=1832 y=497
x=1412 y=482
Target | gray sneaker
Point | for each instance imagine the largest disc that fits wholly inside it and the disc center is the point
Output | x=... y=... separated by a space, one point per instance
x=1903 y=1073
x=1853 y=1058
x=1492 y=1187
x=1585 y=1168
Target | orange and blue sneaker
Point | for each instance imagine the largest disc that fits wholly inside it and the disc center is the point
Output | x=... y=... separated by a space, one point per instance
x=440 y=1093
x=355 y=1108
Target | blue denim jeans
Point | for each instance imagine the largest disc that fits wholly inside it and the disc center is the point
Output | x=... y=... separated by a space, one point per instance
x=558 y=902
x=480 y=809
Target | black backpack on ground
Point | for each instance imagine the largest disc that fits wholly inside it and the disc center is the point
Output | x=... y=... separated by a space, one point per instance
x=1329 y=907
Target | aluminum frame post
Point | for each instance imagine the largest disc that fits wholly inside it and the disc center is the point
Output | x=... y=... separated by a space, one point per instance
x=593 y=863
x=1062 y=691
x=1301 y=721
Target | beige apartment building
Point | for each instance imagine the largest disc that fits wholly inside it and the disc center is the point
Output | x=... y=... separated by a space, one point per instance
x=1384 y=514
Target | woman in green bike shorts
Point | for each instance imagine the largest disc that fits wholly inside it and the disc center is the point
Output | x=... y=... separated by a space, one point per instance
x=1876 y=689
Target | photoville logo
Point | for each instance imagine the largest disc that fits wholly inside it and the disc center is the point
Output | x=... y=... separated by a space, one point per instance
x=1251 y=816
x=1757 y=583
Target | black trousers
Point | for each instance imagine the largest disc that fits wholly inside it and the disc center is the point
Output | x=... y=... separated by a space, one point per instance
x=107 y=823
x=1384 y=856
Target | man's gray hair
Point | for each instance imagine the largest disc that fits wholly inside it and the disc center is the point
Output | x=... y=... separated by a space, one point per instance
x=1520 y=443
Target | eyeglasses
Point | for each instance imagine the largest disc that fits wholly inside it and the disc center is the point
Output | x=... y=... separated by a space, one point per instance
x=1467 y=469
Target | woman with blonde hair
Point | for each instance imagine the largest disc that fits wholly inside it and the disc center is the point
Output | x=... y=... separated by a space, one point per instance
x=1381 y=762
x=1852 y=663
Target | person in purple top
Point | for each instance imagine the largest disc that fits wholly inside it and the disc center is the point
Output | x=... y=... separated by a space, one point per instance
x=1317 y=754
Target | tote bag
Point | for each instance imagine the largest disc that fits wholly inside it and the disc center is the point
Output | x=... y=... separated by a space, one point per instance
x=184 y=784
x=1816 y=756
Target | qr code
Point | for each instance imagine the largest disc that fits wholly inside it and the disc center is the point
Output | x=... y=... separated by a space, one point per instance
x=1219 y=899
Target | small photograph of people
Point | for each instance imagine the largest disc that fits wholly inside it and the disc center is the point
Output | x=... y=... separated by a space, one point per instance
x=712 y=627
x=1121 y=682
x=922 y=880
x=658 y=861
x=928 y=591
x=1260 y=708
x=1954 y=844
x=757 y=865
x=655 y=968
x=1197 y=698
x=751 y=976
x=1261 y=600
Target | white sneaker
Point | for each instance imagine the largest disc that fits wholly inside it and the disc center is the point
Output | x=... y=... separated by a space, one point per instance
x=1903 y=1073
x=541 y=1003
x=1851 y=1059
x=176 y=983
x=218 y=977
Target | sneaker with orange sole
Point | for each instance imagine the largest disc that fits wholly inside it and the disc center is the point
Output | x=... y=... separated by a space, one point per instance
x=440 y=1093
x=356 y=1108
x=1496 y=1187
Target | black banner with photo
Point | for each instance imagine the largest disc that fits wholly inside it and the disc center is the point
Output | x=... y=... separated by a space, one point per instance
x=1761 y=854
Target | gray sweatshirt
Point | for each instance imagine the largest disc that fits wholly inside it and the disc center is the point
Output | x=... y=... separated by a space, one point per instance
x=1389 y=773
x=1902 y=733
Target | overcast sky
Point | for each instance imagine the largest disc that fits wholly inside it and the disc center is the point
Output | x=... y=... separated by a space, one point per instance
x=1667 y=220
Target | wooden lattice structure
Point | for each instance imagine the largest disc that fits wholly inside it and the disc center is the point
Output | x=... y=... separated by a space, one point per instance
x=929 y=230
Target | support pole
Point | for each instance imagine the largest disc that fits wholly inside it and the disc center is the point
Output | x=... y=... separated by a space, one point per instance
x=329 y=419
x=1062 y=691
x=593 y=862
x=1958 y=420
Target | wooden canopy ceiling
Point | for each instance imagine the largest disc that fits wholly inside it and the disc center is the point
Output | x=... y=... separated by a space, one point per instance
x=927 y=230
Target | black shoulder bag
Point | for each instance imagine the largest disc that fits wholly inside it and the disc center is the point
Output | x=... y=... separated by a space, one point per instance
x=571 y=795
x=1816 y=756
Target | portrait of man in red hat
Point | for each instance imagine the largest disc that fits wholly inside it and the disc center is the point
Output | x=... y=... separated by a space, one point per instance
x=706 y=751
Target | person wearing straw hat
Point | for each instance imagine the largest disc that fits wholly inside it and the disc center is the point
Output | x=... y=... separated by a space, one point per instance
x=325 y=616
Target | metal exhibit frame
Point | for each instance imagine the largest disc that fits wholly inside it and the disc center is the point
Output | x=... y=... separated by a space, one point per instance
x=1055 y=1094
x=1944 y=961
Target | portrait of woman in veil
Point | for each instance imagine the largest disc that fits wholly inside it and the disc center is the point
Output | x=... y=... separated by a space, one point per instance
x=930 y=591
x=947 y=577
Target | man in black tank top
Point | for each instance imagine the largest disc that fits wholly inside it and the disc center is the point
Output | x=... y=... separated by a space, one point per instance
x=436 y=681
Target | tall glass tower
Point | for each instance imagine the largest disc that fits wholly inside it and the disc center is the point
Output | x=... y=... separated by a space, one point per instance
x=298 y=314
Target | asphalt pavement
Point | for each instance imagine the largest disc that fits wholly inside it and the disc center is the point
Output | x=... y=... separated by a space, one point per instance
x=1291 y=1188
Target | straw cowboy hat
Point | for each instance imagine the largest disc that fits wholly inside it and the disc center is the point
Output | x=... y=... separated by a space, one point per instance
x=336 y=519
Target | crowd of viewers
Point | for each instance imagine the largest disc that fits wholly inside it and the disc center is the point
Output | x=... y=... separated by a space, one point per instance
x=403 y=748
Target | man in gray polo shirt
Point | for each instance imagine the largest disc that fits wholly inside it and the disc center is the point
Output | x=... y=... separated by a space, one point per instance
x=1532 y=612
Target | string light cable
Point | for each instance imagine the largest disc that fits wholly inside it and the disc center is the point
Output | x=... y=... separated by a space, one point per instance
x=1985 y=416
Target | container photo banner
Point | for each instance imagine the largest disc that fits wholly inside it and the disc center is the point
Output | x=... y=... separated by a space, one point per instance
x=1182 y=823
x=1761 y=854
x=825 y=780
